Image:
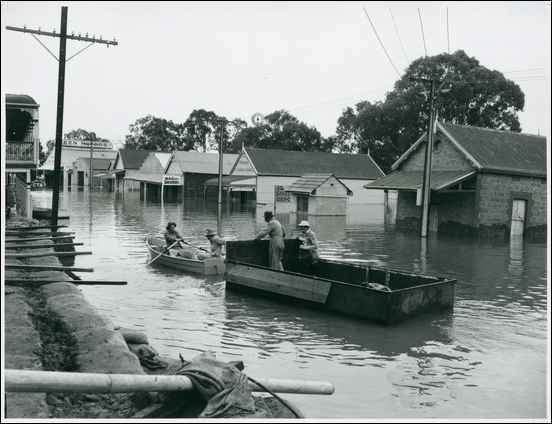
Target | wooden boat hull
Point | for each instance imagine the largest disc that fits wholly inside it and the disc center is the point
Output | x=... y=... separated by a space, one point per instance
x=339 y=287
x=209 y=266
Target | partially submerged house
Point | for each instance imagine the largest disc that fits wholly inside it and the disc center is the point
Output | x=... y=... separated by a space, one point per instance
x=195 y=169
x=22 y=150
x=140 y=170
x=483 y=181
x=314 y=194
x=272 y=171
x=79 y=175
x=71 y=151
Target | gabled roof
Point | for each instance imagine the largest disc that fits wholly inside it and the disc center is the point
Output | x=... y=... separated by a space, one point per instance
x=132 y=159
x=97 y=164
x=493 y=150
x=310 y=182
x=294 y=164
x=412 y=180
x=20 y=100
x=200 y=163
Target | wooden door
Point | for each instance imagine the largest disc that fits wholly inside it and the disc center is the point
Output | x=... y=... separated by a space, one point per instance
x=519 y=208
x=303 y=204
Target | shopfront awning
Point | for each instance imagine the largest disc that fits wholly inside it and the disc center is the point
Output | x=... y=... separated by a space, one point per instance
x=412 y=180
x=233 y=182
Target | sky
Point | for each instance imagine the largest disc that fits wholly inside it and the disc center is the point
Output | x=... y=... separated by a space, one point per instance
x=237 y=59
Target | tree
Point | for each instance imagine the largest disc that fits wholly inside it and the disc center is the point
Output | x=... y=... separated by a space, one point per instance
x=158 y=134
x=478 y=96
x=200 y=129
x=282 y=130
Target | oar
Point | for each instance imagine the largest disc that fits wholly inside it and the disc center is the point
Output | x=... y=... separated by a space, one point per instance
x=195 y=247
x=154 y=259
x=31 y=381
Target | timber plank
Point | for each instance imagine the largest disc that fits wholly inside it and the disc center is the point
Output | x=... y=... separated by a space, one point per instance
x=47 y=267
x=41 y=246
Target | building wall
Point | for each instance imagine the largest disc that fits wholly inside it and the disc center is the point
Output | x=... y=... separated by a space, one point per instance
x=495 y=196
x=327 y=205
x=265 y=191
x=362 y=195
x=445 y=157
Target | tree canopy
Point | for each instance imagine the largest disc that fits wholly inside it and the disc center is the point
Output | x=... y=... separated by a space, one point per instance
x=158 y=134
x=476 y=96
x=282 y=130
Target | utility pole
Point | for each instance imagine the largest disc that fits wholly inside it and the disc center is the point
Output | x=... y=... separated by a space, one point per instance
x=91 y=170
x=63 y=37
x=426 y=184
x=220 y=171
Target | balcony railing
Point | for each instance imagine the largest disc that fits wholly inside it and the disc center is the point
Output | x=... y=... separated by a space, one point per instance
x=20 y=151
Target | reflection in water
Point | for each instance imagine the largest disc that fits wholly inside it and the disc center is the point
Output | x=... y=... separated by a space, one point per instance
x=485 y=359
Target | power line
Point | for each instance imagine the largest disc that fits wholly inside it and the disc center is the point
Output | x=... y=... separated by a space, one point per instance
x=381 y=43
x=448 y=35
x=422 y=26
x=399 y=37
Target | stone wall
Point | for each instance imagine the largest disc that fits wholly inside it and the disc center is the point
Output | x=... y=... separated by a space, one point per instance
x=446 y=157
x=496 y=193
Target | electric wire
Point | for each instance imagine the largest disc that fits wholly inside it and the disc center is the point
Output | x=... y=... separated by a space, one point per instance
x=399 y=37
x=423 y=35
x=381 y=43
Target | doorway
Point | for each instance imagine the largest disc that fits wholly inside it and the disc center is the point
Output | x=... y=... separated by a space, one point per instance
x=519 y=210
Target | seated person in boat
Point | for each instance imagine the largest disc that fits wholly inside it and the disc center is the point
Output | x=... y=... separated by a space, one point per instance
x=174 y=243
x=308 y=250
x=216 y=243
x=276 y=247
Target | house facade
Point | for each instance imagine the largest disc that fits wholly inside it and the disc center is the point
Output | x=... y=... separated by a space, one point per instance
x=195 y=169
x=72 y=150
x=314 y=194
x=484 y=182
x=21 y=150
x=271 y=171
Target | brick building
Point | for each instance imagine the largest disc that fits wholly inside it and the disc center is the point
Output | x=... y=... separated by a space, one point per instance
x=483 y=182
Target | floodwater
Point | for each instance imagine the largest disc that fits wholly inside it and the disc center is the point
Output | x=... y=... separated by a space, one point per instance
x=485 y=359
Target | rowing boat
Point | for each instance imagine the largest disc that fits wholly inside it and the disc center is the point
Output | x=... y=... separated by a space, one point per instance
x=208 y=266
x=374 y=293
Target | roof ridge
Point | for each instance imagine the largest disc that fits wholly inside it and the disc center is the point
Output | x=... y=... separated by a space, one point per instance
x=496 y=130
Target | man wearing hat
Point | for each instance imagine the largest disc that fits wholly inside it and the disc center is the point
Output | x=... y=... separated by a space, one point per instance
x=216 y=243
x=276 y=247
x=309 y=244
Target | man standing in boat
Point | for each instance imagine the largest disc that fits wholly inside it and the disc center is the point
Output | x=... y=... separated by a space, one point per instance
x=216 y=243
x=276 y=247
x=308 y=250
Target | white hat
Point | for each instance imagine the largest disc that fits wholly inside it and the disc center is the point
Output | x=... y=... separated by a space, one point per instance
x=304 y=224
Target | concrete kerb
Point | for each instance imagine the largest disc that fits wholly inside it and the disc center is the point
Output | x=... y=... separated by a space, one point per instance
x=99 y=347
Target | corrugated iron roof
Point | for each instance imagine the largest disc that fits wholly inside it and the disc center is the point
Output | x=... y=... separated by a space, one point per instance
x=294 y=163
x=133 y=159
x=412 y=180
x=21 y=99
x=506 y=151
x=97 y=164
x=310 y=182
x=200 y=163
x=227 y=180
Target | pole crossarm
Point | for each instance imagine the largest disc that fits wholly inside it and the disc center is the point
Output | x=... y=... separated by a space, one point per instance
x=92 y=39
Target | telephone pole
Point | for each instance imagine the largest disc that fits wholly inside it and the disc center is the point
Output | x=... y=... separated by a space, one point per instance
x=426 y=182
x=63 y=36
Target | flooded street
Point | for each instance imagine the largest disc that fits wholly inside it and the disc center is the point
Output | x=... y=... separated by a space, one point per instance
x=486 y=359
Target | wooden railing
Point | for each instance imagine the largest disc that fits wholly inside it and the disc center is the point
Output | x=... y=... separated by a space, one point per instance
x=20 y=151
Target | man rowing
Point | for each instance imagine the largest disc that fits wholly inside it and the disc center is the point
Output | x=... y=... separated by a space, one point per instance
x=174 y=243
